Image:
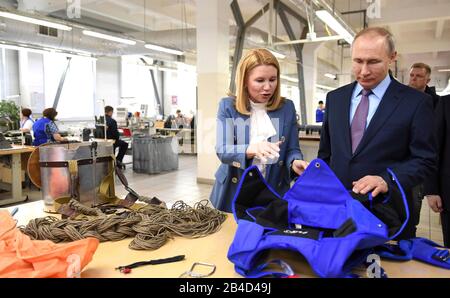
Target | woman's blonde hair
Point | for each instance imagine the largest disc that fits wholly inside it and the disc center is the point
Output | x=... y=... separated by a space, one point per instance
x=252 y=59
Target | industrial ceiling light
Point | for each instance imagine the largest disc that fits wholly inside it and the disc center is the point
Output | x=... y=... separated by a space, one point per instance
x=325 y=87
x=330 y=75
x=277 y=55
x=287 y=78
x=444 y=70
x=163 y=49
x=109 y=37
x=331 y=21
x=25 y=19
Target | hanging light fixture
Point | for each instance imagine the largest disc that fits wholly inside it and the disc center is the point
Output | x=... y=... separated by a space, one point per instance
x=109 y=37
x=164 y=49
x=277 y=55
x=331 y=22
x=22 y=18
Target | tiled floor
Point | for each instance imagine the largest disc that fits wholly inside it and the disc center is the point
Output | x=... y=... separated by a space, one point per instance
x=182 y=185
x=168 y=186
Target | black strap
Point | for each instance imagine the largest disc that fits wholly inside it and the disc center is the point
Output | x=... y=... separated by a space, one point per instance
x=152 y=262
x=80 y=162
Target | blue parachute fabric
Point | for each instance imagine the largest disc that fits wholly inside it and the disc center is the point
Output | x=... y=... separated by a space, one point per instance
x=417 y=248
x=317 y=218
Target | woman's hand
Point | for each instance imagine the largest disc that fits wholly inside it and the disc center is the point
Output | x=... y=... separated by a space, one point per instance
x=263 y=151
x=299 y=166
x=59 y=138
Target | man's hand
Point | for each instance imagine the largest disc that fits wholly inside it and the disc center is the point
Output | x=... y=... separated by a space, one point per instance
x=374 y=184
x=435 y=203
x=299 y=166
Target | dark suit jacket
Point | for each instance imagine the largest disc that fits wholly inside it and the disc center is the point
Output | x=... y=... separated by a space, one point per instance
x=398 y=137
x=439 y=182
x=233 y=137
x=111 y=131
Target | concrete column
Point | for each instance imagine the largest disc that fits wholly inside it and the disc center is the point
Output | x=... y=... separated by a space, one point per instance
x=309 y=53
x=24 y=82
x=212 y=79
x=346 y=76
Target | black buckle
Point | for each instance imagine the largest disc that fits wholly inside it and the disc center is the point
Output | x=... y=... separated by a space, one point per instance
x=441 y=255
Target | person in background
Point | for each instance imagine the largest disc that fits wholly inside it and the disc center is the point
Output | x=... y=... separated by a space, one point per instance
x=45 y=129
x=247 y=136
x=437 y=188
x=112 y=133
x=419 y=77
x=320 y=112
x=180 y=120
x=26 y=123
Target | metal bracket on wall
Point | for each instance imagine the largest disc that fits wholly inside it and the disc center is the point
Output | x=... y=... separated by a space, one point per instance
x=281 y=8
x=61 y=84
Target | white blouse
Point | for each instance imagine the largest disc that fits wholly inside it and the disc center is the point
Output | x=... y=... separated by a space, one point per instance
x=261 y=128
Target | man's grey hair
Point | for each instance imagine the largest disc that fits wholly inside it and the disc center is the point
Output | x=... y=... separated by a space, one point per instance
x=380 y=32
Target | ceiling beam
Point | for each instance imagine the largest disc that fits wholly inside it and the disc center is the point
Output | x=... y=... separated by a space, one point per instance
x=48 y=6
x=428 y=46
x=412 y=14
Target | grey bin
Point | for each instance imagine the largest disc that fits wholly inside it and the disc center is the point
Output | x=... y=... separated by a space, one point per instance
x=56 y=181
x=152 y=155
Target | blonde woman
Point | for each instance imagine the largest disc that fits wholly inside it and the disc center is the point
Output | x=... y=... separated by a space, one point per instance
x=256 y=126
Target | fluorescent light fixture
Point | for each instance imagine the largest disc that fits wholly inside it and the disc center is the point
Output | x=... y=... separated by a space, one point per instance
x=277 y=54
x=331 y=21
x=25 y=19
x=330 y=75
x=287 y=78
x=167 y=69
x=109 y=37
x=325 y=87
x=444 y=70
x=317 y=39
x=163 y=49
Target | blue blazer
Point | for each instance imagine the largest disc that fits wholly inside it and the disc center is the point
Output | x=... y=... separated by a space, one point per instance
x=233 y=138
x=399 y=136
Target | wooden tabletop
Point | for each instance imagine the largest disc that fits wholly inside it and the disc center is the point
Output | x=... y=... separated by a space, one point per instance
x=212 y=249
x=17 y=149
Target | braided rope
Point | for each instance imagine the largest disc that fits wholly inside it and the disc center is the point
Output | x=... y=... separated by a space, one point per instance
x=151 y=226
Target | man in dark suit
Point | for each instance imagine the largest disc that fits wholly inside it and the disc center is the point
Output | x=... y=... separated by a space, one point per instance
x=419 y=77
x=112 y=132
x=377 y=123
x=437 y=188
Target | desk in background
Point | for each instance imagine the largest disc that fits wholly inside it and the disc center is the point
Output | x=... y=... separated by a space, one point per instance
x=152 y=155
x=19 y=156
x=186 y=138
x=212 y=249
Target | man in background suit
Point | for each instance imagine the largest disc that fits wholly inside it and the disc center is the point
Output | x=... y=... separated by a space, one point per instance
x=437 y=188
x=377 y=123
x=419 y=77
x=112 y=132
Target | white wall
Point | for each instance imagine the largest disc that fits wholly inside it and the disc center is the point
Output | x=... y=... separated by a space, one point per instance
x=107 y=83
x=36 y=82
x=10 y=83
x=77 y=96
x=291 y=92
x=183 y=85
x=136 y=86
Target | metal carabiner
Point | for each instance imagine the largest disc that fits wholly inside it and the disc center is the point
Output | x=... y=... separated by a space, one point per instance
x=191 y=272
